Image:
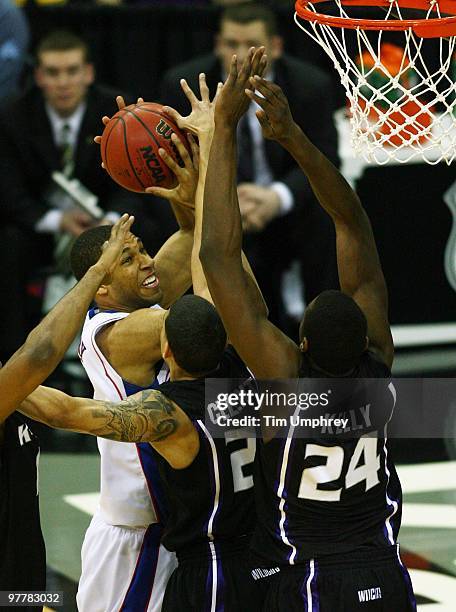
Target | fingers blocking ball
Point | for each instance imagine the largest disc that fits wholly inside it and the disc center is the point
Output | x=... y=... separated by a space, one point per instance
x=130 y=144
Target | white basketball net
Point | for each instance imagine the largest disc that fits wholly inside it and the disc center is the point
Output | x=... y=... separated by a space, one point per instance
x=396 y=115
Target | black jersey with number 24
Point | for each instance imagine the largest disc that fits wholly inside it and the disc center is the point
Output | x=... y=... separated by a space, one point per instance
x=325 y=496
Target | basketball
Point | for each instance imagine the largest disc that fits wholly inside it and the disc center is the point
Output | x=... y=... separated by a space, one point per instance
x=130 y=143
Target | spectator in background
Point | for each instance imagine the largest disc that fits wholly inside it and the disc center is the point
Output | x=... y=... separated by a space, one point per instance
x=14 y=39
x=275 y=198
x=51 y=127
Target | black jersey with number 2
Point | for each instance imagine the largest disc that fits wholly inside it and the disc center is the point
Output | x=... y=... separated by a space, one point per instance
x=211 y=501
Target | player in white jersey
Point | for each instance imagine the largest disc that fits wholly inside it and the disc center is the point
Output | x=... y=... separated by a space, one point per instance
x=122 y=548
x=123 y=565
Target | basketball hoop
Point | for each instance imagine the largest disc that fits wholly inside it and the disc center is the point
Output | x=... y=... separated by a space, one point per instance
x=397 y=73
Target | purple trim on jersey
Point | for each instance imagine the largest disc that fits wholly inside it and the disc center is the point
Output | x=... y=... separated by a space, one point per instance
x=141 y=585
x=148 y=462
x=276 y=488
x=212 y=547
x=92 y=312
x=279 y=466
x=303 y=589
x=154 y=483
x=131 y=389
x=220 y=603
x=408 y=582
x=315 y=605
x=285 y=496
x=396 y=518
x=208 y=604
x=203 y=436
x=95 y=310
x=392 y=513
x=220 y=582
x=314 y=591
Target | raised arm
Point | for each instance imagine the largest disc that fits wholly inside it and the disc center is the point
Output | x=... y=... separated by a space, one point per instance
x=262 y=346
x=47 y=343
x=360 y=272
x=172 y=261
x=200 y=122
x=147 y=416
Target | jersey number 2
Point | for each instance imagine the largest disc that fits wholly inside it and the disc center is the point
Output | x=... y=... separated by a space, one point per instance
x=332 y=469
x=240 y=459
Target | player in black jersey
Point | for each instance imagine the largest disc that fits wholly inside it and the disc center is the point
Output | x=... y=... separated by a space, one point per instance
x=208 y=482
x=22 y=552
x=328 y=510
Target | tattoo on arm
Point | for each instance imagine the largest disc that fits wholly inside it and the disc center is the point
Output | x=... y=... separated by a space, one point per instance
x=148 y=416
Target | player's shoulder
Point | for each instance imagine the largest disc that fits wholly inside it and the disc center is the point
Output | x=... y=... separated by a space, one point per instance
x=97 y=318
x=231 y=365
x=114 y=330
x=143 y=319
x=372 y=364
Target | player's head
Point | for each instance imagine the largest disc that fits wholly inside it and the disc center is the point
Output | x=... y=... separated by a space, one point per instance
x=243 y=26
x=333 y=332
x=193 y=336
x=63 y=71
x=133 y=283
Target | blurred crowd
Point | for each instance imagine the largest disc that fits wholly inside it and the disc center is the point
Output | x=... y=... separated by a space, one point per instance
x=52 y=109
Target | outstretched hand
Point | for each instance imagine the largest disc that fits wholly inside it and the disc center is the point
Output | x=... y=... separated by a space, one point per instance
x=232 y=102
x=187 y=175
x=201 y=119
x=112 y=248
x=274 y=115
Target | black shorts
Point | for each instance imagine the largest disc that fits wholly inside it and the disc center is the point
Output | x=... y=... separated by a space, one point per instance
x=203 y=585
x=377 y=582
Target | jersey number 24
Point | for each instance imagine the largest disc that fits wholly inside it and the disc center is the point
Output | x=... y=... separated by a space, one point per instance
x=331 y=471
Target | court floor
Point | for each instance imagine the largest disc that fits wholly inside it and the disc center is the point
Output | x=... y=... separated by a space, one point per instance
x=69 y=485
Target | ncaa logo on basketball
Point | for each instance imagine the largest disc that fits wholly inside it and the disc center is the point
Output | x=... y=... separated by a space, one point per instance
x=153 y=164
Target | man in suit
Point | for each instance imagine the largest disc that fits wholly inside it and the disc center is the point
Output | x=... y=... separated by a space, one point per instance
x=275 y=199
x=51 y=127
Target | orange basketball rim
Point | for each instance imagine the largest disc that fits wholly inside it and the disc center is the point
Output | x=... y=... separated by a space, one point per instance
x=433 y=26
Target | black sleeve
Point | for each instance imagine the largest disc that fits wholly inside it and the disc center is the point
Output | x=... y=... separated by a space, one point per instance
x=372 y=366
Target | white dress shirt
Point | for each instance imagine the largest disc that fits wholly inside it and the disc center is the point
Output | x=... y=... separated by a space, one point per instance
x=50 y=221
x=262 y=171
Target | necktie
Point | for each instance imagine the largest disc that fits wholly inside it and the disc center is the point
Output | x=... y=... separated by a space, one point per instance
x=66 y=150
x=245 y=151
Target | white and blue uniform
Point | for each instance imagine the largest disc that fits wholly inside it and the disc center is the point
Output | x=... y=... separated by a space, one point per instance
x=124 y=567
